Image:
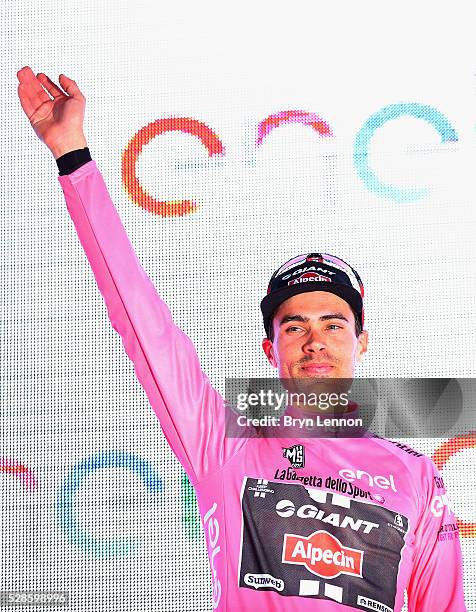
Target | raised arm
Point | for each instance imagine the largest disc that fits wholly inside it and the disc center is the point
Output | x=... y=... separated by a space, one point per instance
x=190 y=410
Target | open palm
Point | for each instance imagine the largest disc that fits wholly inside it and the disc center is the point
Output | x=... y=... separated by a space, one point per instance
x=56 y=118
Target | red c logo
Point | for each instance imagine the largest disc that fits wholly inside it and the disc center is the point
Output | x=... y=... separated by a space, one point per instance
x=134 y=148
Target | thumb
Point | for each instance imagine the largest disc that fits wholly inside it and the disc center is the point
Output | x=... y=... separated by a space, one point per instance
x=70 y=87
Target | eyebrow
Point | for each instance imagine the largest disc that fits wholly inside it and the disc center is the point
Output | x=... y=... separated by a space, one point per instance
x=303 y=319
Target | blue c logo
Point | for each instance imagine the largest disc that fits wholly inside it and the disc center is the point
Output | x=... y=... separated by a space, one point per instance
x=65 y=507
x=375 y=121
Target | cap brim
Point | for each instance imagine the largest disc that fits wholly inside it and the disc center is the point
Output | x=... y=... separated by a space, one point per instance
x=271 y=301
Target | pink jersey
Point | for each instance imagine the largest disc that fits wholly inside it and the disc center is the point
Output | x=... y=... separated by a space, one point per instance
x=290 y=524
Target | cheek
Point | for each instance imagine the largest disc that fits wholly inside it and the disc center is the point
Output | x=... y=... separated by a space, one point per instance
x=285 y=350
x=346 y=347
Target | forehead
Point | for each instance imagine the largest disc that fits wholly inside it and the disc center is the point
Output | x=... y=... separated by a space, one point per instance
x=313 y=304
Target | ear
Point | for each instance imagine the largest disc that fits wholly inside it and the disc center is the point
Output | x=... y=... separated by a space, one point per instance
x=362 y=344
x=269 y=350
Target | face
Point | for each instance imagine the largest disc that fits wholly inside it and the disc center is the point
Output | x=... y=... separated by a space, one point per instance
x=314 y=337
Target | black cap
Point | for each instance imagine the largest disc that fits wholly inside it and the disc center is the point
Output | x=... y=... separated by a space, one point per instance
x=313 y=272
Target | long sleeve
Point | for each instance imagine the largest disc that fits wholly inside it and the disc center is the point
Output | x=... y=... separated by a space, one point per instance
x=436 y=582
x=190 y=410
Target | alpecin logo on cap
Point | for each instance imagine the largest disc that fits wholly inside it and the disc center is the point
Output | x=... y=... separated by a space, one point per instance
x=309 y=277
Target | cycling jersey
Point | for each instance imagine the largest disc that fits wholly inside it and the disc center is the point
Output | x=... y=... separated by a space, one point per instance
x=290 y=524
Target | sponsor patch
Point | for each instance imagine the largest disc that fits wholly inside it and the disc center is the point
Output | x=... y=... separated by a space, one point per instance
x=322 y=554
x=438 y=504
x=212 y=537
x=372 y=604
x=334 y=484
x=295 y=455
x=309 y=277
x=448 y=531
x=258 y=581
x=382 y=482
x=320 y=544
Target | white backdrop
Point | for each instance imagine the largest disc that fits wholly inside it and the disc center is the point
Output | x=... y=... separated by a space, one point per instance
x=68 y=391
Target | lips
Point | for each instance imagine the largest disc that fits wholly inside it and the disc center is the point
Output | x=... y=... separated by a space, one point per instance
x=317 y=368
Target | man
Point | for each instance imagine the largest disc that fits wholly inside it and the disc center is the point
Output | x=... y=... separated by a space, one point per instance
x=290 y=524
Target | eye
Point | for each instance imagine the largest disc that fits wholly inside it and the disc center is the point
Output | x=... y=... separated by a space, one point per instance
x=293 y=328
x=334 y=326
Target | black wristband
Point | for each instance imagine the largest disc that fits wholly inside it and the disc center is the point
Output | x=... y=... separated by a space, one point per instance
x=71 y=161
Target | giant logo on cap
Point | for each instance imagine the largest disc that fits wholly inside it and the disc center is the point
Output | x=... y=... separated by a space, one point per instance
x=322 y=554
x=309 y=277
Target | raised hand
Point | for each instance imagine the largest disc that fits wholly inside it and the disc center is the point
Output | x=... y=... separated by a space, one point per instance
x=55 y=114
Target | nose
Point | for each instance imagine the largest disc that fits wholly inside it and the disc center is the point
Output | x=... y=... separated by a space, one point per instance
x=314 y=343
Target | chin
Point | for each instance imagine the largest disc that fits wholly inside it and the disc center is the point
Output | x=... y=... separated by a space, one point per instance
x=332 y=382
x=303 y=375
x=308 y=383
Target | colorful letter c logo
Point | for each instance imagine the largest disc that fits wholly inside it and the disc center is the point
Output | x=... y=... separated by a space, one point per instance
x=377 y=120
x=65 y=507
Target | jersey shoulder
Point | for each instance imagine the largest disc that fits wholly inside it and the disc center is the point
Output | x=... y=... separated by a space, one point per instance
x=399 y=448
x=419 y=465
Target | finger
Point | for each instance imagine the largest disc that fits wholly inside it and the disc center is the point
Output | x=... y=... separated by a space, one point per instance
x=32 y=87
x=21 y=74
x=48 y=84
x=70 y=87
x=25 y=101
x=28 y=104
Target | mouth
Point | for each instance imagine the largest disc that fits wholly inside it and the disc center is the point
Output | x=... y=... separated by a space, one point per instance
x=317 y=369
